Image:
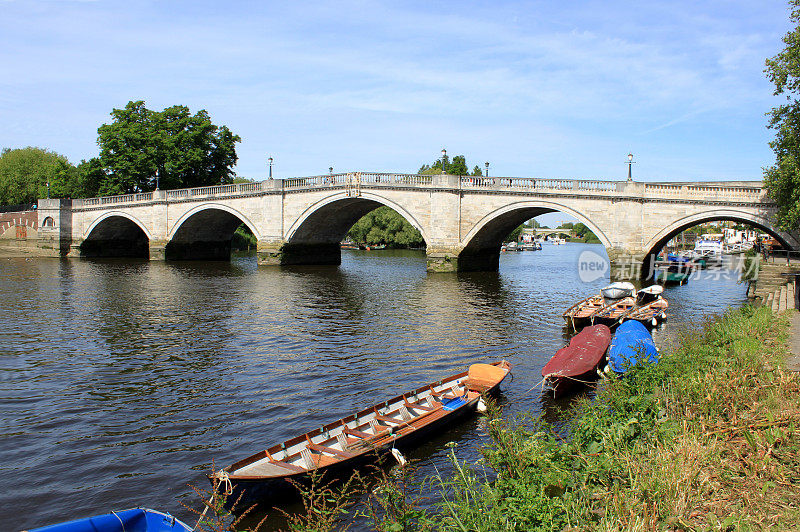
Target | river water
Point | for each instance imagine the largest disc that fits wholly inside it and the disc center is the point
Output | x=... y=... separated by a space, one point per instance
x=121 y=381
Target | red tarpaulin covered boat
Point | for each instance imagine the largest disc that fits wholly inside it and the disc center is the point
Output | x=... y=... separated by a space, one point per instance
x=577 y=363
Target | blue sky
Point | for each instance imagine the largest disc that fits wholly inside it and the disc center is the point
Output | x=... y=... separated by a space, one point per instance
x=540 y=89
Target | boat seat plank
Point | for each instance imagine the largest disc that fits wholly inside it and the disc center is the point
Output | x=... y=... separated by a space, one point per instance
x=307 y=458
x=357 y=433
x=329 y=450
x=388 y=419
x=419 y=406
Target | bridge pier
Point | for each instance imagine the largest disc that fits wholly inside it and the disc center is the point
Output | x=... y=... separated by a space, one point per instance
x=442 y=262
x=627 y=265
x=157 y=249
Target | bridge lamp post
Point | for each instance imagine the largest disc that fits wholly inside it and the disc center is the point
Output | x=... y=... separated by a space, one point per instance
x=270 y=167
x=48 y=188
x=330 y=170
x=444 y=157
x=487 y=168
x=630 y=164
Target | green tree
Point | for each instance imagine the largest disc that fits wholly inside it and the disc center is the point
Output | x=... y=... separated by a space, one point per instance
x=456 y=166
x=25 y=173
x=385 y=226
x=90 y=177
x=585 y=234
x=783 y=178
x=515 y=234
x=172 y=147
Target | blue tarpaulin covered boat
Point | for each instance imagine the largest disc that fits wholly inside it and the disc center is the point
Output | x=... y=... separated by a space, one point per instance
x=133 y=520
x=631 y=343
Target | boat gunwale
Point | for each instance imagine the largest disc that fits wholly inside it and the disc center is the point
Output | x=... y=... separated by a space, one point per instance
x=342 y=422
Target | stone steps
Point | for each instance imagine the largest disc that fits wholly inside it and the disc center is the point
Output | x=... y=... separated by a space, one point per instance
x=781 y=298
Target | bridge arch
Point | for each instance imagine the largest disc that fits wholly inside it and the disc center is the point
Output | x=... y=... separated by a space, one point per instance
x=116 y=234
x=346 y=211
x=315 y=236
x=481 y=250
x=677 y=226
x=205 y=232
x=660 y=239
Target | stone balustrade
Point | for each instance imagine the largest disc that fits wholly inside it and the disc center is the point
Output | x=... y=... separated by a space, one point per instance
x=720 y=191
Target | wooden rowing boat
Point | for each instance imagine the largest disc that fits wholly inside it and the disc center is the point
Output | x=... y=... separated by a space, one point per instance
x=339 y=447
x=577 y=363
x=613 y=314
x=578 y=314
x=650 y=314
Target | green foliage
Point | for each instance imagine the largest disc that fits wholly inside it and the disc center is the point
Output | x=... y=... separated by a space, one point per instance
x=585 y=234
x=783 y=179
x=385 y=226
x=634 y=459
x=456 y=166
x=243 y=239
x=25 y=172
x=182 y=149
x=515 y=234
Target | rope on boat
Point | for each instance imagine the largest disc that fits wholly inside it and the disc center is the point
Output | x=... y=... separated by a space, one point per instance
x=224 y=480
x=401 y=460
x=120 y=520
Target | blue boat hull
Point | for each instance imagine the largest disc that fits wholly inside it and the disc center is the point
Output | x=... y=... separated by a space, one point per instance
x=133 y=520
x=631 y=343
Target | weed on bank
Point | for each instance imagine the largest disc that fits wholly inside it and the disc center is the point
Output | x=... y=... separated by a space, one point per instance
x=707 y=439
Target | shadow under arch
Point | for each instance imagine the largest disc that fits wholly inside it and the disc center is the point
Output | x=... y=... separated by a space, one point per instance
x=482 y=249
x=116 y=234
x=314 y=239
x=678 y=226
x=205 y=233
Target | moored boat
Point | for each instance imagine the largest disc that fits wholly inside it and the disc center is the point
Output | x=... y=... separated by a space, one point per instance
x=615 y=312
x=618 y=290
x=338 y=447
x=648 y=294
x=579 y=314
x=673 y=272
x=650 y=314
x=631 y=343
x=577 y=363
x=133 y=520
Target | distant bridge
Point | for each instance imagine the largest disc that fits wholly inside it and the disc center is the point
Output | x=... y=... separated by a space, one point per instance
x=463 y=219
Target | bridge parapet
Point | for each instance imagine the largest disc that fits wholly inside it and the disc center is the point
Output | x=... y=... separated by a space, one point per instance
x=740 y=192
x=751 y=192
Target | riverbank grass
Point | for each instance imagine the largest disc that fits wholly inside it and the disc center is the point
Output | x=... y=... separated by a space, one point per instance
x=708 y=439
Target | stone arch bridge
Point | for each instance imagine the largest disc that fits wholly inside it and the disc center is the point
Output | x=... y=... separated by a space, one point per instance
x=463 y=219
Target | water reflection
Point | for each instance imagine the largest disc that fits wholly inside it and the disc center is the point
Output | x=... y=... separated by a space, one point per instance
x=121 y=380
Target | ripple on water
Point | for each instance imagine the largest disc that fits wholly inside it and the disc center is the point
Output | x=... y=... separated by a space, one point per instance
x=120 y=382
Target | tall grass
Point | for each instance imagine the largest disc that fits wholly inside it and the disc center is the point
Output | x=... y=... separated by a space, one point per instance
x=707 y=439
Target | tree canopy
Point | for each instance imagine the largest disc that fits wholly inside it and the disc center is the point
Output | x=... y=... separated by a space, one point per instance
x=172 y=148
x=456 y=166
x=138 y=149
x=783 y=178
x=385 y=226
x=25 y=173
